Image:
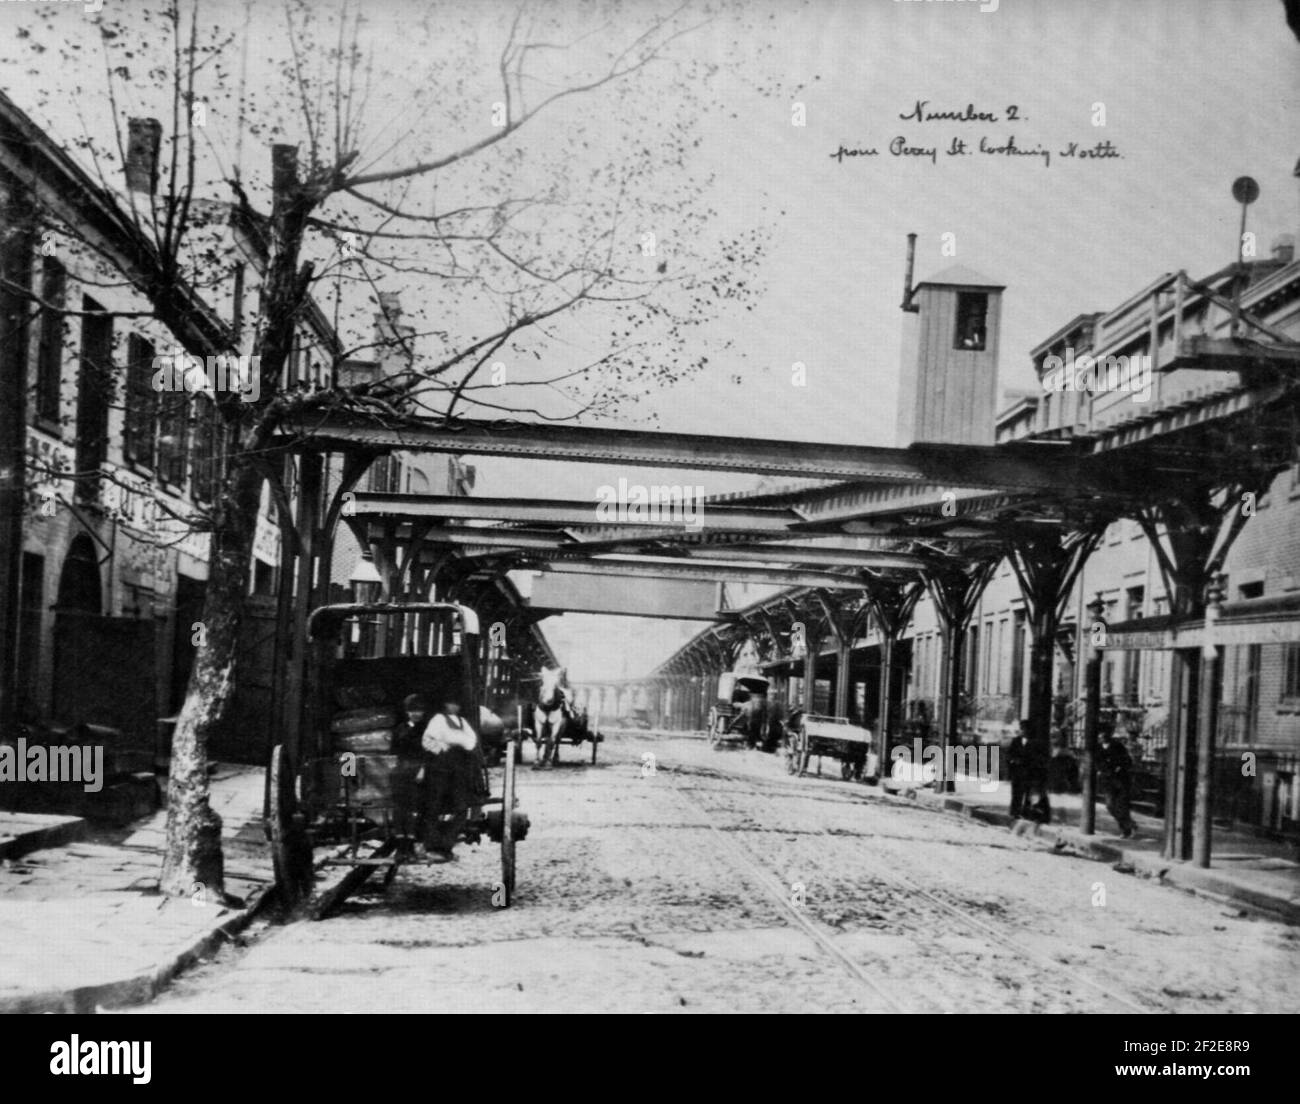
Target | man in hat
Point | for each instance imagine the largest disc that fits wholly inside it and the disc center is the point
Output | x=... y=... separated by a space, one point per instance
x=1115 y=770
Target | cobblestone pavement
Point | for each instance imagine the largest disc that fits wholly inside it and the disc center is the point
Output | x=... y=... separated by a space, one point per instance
x=719 y=883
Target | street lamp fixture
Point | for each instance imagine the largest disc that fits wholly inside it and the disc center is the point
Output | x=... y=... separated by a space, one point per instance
x=365 y=579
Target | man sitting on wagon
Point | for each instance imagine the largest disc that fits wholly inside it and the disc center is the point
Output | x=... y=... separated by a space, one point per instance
x=407 y=746
x=451 y=780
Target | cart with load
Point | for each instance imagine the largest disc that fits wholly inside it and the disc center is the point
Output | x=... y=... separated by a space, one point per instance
x=740 y=712
x=351 y=786
x=809 y=734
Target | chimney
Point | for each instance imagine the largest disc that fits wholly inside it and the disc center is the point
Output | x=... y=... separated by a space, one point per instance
x=394 y=341
x=144 y=137
x=907 y=303
x=1284 y=249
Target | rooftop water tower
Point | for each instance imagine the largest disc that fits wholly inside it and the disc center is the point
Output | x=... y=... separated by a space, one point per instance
x=949 y=385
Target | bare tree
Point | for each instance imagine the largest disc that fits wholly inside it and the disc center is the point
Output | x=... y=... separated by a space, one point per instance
x=538 y=203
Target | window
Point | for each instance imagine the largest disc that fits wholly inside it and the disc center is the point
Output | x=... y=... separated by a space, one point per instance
x=972 y=311
x=141 y=423
x=173 y=435
x=31 y=606
x=1132 y=687
x=386 y=475
x=263 y=577
x=1018 y=688
x=49 y=364
x=989 y=659
x=206 y=454
x=1291 y=675
x=1005 y=656
x=1254 y=665
x=16 y=282
x=94 y=394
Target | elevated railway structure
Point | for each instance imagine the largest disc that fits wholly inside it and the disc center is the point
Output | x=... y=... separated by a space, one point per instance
x=869 y=529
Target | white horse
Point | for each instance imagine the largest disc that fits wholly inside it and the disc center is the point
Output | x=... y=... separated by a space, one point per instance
x=551 y=714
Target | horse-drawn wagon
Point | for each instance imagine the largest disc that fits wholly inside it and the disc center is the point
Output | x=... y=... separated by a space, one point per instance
x=351 y=784
x=741 y=712
x=551 y=718
x=809 y=734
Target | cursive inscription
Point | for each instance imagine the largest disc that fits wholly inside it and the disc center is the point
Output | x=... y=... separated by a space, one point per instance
x=922 y=114
x=1103 y=150
x=976 y=145
x=843 y=152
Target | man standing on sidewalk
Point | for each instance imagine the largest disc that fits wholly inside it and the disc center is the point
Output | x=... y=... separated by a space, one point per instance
x=1038 y=759
x=1115 y=769
x=1017 y=766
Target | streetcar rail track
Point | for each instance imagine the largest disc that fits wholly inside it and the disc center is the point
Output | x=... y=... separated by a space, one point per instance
x=907 y=885
x=744 y=858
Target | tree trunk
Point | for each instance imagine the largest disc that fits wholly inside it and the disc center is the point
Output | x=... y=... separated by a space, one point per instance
x=193 y=861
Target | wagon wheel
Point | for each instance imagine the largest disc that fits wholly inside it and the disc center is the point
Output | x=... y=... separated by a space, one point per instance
x=508 y=833
x=290 y=850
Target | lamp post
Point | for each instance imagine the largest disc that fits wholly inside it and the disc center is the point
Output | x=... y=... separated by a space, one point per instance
x=1206 y=723
x=365 y=579
x=1245 y=191
x=1091 y=712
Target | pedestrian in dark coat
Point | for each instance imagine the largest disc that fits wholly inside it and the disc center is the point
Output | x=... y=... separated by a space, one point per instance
x=1038 y=761
x=1017 y=772
x=1115 y=770
x=418 y=708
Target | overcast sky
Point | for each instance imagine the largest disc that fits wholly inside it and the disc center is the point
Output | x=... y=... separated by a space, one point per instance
x=1194 y=94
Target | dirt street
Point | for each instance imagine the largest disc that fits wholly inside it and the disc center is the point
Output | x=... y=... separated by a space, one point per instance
x=669 y=877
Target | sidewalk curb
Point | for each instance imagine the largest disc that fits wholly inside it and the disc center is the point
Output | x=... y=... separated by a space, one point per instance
x=144 y=986
x=1192 y=879
x=1207 y=883
x=54 y=835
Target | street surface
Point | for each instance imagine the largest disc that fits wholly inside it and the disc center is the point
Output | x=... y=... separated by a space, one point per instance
x=712 y=881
